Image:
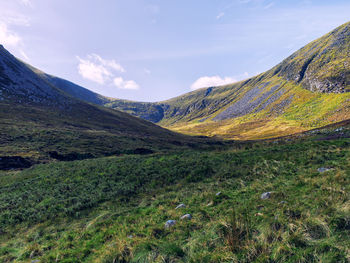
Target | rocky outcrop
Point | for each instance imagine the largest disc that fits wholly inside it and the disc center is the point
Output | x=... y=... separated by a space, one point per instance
x=323 y=65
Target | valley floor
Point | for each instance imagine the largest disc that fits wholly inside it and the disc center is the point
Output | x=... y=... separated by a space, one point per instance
x=114 y=209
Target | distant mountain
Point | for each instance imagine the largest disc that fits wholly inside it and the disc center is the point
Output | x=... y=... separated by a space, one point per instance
x=308 y=90
x=43 y=117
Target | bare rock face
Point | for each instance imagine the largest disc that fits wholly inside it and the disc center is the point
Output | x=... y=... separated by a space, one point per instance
x=323 y=65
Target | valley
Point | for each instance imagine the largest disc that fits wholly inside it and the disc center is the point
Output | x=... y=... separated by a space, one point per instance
x=307 y=90
x=254 y=171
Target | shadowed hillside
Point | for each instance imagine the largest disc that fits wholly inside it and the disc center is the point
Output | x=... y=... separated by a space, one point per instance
x=41 y=121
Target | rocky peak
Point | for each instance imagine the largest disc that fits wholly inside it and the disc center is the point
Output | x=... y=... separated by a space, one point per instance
x=20 y=84
x=323 y=65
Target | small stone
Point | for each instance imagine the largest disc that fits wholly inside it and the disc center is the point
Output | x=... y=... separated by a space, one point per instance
x=210 y=204
x=218 y=193
x=283 y=202
x=266 y=195
x=180 y=206
x=35 y=261
x=187 y=216
x=130 y=236
x=323 y=170
x=170 y=223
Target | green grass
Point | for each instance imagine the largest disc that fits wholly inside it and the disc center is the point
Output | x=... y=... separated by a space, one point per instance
x=114 y=209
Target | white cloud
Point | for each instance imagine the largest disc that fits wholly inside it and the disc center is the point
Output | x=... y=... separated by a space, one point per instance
x=220 y=15
x=10 y=17
x=104 y=71
x=97 y=69
x=7 y=37
x=125 y=84
x=213 y=81
x=26 y=2
x=107 y=63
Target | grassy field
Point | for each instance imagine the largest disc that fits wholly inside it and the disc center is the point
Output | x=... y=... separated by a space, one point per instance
x=113 y=209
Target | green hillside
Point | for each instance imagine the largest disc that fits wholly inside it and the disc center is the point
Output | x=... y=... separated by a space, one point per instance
x=306 y=91
x=114 y=209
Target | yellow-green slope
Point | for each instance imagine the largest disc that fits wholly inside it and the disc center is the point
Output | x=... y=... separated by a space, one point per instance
x=309 y=89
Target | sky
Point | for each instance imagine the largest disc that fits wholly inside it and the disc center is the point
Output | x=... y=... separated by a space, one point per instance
x=153 y=50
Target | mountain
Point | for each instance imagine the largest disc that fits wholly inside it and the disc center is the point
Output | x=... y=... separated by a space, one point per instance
x=41 y=120
x=75 y=90
x=307 y=90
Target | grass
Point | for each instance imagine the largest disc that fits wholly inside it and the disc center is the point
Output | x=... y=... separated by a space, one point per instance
x=113 y=209
x=84 y=130
x=307 y=111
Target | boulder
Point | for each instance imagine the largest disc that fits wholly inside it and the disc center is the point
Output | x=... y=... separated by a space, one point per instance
x=170 y=223
x=323 y=169
x=180 y=206
x=187 y=216
x=266 y=195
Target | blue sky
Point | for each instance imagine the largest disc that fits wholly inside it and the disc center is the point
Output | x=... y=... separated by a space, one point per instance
x=152 y=50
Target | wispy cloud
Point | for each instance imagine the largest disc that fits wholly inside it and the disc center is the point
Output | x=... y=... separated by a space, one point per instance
x=125 y=84
x=153 y=9
x=12 y=17
x=97 y=69
x=269 y=5
x=107 y=63
x=26 y=2
x=104 y=71
x=7 y=37
x=213 y=81
x=220 y=15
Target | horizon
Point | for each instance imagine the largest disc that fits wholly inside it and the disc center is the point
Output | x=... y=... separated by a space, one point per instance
x=189 y=48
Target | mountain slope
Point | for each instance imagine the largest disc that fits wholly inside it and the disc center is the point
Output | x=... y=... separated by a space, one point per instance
x=76 y=90
x=41 y=121
x=307 y=90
